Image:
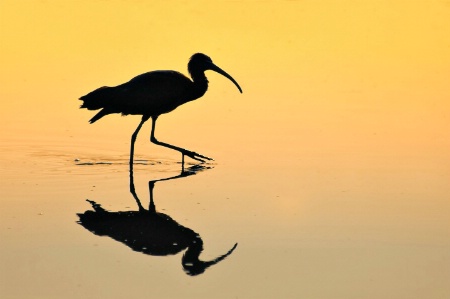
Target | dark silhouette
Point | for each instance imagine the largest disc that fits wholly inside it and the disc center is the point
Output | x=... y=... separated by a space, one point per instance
x=151 y=232
x=152 y=94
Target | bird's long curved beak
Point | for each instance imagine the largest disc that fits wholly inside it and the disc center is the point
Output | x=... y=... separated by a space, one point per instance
x=217 y=69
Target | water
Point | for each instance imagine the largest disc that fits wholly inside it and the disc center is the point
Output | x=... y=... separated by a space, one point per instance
x=304 y=226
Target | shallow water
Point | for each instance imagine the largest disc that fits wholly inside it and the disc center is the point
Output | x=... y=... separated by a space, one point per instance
x=331 y=171
x=306 y=225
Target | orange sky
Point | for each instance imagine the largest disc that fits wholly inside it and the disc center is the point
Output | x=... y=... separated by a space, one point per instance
x=341 y=71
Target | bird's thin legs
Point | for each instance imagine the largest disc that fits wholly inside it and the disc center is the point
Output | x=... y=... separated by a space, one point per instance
x=133 y=140
x=183 y=151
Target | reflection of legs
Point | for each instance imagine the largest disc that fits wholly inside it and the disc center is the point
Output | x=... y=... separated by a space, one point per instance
x=183 y=151
x=133 y=192
x=151 y=207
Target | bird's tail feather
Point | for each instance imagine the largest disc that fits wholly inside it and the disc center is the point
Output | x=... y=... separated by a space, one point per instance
x=99 y=115
x=96 y=99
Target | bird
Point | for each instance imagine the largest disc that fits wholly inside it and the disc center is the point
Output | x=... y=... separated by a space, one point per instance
x=152 y=94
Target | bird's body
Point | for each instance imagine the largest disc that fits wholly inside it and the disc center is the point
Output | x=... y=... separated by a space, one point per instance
x=152 y=94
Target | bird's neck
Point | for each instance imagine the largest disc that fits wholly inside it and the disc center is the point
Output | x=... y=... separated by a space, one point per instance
x=200 y=84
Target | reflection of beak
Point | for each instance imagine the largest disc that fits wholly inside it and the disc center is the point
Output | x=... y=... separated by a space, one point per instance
x=196 y=267
x=217 y=69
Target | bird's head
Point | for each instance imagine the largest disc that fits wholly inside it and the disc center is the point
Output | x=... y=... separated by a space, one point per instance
x=200 y=62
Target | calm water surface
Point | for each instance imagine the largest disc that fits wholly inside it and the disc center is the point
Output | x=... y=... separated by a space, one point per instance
x=309 y=225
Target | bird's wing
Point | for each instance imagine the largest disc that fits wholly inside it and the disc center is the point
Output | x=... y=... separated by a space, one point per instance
x=152 y=91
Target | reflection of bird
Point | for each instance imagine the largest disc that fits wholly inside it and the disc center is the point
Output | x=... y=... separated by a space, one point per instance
x=152 y=94
x=151 y=232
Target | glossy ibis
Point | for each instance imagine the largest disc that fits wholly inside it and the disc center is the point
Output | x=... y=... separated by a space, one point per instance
x=152 y=94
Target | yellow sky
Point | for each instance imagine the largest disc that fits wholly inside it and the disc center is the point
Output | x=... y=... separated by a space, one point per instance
x=347 y=67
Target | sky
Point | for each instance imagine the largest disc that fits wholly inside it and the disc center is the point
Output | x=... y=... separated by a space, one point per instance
x=343 y=71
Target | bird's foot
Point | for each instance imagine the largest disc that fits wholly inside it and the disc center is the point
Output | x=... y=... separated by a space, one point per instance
x=195 y=156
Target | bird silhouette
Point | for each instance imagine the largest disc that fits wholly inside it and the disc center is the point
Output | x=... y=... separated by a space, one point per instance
x=151 y=232
x=152 y=94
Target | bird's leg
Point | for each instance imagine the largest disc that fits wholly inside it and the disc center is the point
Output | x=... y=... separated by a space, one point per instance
x=133 y=140
x=183 y=151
